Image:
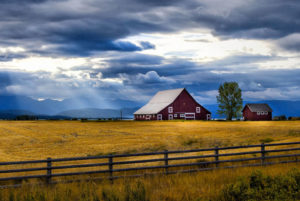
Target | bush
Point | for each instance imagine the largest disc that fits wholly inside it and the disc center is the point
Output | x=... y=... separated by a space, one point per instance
x=26 y=117
x=266 y=140
x=294 y=118
x=264 y=188
x=279 y=118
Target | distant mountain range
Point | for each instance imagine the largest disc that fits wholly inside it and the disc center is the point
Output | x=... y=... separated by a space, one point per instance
x=12 y=106
x=99 y=113
x=54 y=107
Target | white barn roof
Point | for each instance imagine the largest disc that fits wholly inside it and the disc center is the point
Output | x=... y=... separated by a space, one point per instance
x=258 y=107
x=158 y=102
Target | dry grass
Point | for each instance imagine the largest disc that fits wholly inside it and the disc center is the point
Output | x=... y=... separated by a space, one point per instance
x=181 y=187
x=22 y=140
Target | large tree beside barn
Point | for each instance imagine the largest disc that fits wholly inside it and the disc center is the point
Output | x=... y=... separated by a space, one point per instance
x=230 y=100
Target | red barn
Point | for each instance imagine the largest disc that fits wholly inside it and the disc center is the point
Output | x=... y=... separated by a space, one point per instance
x=257 y=112
x=172 y=104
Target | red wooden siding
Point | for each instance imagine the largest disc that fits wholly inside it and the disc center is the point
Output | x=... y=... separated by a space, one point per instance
x=184 y=103
x=252 y=116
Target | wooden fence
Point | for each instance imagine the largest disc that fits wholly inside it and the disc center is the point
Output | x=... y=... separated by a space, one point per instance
x=164 y=161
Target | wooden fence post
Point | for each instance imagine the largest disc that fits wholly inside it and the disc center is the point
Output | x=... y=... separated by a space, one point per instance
x=217 y=155
x=110 y=167
x=166 y=161
x=262 y=153
x=49 y=170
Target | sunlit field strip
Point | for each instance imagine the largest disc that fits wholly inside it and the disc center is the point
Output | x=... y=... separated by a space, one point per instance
x=31 y=140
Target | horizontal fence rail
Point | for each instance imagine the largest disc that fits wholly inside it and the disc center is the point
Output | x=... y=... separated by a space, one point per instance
x=136 y=164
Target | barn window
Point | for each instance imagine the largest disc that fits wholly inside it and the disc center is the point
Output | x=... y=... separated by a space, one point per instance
x=175 y=115
x=266 y=113
x=182 y=115
x=170 y=109
x=154 y=115
x=258 y=113
x=198 y=109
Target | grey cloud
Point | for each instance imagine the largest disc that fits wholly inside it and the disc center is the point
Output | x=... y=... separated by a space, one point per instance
x=80 y=28
x=290 y=42
x=10 y=56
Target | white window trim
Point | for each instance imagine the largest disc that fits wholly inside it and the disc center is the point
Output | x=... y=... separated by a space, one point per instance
x=190 y=113
x=175 y=115
x=159 y=117
x=266 y=113
x=170 y=115
x=170 y=109
x=258 y=113
x=182 y=115
x=208 y=117
x=198 y=109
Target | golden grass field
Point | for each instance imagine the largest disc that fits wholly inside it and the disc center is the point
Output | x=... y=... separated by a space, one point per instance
x=23 y=140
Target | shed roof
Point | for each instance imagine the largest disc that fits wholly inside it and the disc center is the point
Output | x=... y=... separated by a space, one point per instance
x=258 y=107
x=159 y=101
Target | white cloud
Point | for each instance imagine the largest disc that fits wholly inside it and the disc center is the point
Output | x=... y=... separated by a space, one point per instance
x=153 y=77
x=289 y=93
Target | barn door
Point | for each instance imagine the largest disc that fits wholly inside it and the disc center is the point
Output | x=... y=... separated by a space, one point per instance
x=208 y=117
x=159 y=117
x=170 y=116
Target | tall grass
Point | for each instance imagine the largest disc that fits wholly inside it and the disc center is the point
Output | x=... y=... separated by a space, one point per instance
x=280 y=182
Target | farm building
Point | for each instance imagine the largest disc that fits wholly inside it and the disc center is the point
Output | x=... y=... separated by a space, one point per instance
x=257 y=112
x=172 y=104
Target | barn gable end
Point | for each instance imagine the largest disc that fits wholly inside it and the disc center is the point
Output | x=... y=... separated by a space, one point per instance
x=172 y=104
x=257 y=112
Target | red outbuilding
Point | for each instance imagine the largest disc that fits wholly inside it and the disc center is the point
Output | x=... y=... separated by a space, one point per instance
x=172 y=104
x=257 y=112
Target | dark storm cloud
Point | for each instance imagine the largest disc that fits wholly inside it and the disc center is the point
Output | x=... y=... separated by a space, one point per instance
x=290 y=42
x=141 y=79
x=138 y=72
x=132 y=67
x=10 y=56
x=252 y=19
x=82 y=27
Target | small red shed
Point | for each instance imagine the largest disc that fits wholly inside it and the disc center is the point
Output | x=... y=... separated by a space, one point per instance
x=257 y=112
x=172 y=104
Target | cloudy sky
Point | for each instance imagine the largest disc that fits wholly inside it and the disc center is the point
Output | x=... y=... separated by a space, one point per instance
x=129 y=49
